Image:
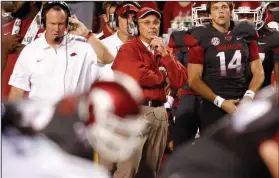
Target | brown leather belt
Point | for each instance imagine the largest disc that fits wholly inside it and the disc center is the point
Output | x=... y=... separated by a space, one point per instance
x=153 y=103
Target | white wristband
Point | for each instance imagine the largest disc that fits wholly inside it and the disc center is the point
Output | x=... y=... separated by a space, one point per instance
x=169 y=102
x=218 y=101
x=250 y=93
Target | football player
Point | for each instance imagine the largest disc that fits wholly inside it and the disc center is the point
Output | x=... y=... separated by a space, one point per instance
x=187 y=119
x=104 y=118
x=268 y=41
x=222 y=55
x=230 y=149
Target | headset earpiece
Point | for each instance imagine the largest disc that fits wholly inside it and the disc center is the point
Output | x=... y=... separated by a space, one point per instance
x=133 y=28
x=113 y=19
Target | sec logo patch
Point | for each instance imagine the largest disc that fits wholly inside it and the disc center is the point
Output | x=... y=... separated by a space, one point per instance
x=215 y=41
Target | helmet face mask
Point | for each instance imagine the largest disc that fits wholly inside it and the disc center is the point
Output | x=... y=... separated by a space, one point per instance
x=253 y=11
x=117 y=139
x=200 y=15
x=116 y=123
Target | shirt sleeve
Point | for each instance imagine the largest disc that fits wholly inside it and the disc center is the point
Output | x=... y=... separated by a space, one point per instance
x=196 y=55
x=21 y=73
x=253 y=51
x=127 y=61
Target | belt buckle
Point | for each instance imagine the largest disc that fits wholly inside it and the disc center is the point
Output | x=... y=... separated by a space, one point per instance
x=149 y=103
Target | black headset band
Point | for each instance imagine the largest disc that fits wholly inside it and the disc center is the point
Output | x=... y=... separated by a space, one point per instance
x=50 y=5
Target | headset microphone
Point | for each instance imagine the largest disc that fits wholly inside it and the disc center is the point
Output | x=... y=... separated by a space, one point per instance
x=58 y=38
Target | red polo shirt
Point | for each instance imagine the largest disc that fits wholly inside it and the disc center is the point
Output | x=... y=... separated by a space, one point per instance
x=12 y=58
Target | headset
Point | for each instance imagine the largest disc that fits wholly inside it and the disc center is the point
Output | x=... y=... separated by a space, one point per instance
x=132 y=28
x=66 y=9
x=50 y=5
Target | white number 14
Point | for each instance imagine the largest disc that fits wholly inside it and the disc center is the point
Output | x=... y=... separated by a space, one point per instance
x=235 y=62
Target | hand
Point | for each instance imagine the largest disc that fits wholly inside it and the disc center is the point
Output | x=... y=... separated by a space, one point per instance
x=158 y=44
x=81 y=29
x=19 y=47
x=229 y=105
x=11 y=42
x=269 y=153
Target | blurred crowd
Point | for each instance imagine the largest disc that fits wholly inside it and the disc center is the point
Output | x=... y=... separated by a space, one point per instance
x=131 y=84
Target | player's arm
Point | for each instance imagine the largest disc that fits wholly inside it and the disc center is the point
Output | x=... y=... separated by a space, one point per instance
x=256 y=69
x=195 y=70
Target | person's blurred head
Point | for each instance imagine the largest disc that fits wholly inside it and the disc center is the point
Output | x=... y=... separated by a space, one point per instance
x=149 y=23
x=220 y=12
x=21 y=9
x=126 y=15
x=109 y=8
x=55 y=22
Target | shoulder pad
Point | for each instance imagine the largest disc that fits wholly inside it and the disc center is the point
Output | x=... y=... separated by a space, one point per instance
x=195 y=35
x=273 y=39
x=177 y=39
x=245 y=29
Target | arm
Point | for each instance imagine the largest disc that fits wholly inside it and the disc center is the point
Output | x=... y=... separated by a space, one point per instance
x=196 y=83
x=129 y=62
x=103 y=54
x=256 y=67
x=258 y=75
x=195 y=69
x=16 y=94
x=19 y=79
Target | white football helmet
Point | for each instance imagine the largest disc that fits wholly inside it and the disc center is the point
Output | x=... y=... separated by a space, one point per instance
x=110 y=111
x=200 y=14
x=251 y=10
x=114 y=112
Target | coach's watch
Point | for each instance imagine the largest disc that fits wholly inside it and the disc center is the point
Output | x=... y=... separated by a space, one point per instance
x=90 y=33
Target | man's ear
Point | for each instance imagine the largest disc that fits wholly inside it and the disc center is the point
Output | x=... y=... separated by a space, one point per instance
x=105 y=18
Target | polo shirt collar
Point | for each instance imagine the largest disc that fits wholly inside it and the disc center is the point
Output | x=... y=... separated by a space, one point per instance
x=147 y=46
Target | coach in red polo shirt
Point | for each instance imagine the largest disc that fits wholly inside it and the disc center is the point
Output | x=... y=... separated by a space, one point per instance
x=147 y=60
x=16 y=34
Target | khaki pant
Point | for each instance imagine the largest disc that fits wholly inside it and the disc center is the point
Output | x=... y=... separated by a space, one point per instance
x=149 y=153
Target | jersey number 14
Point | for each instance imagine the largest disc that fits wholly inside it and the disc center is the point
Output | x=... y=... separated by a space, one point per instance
x=235 y=62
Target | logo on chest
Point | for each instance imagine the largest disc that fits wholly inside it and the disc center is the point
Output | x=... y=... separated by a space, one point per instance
x=215 y=41
x=73 y=54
